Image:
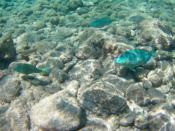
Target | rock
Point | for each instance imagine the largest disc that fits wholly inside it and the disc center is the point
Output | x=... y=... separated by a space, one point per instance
x=165 y=88
x=29 y=38
x=86 y=71
x=62 y=112
x=113 y=122
x=4 y=124
x=2 y=74
x=121 y=128
x=136 y=18
x=94 y=127
x=7 y=50
x=97 y=39
x=92 y=37
x=139 y=93
x=59 y=75
x=82 y=11
x=86 y=51
x=155 y=96
x=144 y=97
x=53 y=87
x=146 y=84
x=169 y=107
x=158 y=33
x=170 y=2
x=101 y=99
x=92 y=43
x=162 y=75
x=110 y=46
x=17 y=116
x=168 y=74
x=118 y=83
x=89 y=2
x=127 y=119
x=169 y=126
x=64 y=53
x=95 y=124
x=61 y=34
x=141 y=122
x=156 y=77
x=31 y=94
x=74 y=4
x=42 y=47
x=68 y=66
x=10 y=88
x=71 y=86
x=3 y=108
x=38 y=25
x=160 y=120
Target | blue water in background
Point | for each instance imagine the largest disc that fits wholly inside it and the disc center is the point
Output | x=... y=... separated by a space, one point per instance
x=40 y=17
x=21 y=12
x=78 y=40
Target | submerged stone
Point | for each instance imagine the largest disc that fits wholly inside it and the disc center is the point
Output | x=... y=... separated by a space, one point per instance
x=136 y=18
x=102 y=99
x=7 y=50
x=100 y=22
x=61 y=113
x=134 y=58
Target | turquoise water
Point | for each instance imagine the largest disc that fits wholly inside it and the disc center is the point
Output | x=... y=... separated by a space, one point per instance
x=85 y=85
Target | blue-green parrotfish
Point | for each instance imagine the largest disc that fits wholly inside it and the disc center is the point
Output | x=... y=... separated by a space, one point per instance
x=134 y=58
x=27 y=69
x=100 y=22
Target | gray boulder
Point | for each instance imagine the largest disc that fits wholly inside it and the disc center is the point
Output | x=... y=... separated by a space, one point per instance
x=161 y=121
x=4 y=125
x=101 y=99
x=10 y=88
x=91 y=45
x=144 y=97
x=7 y=50
x=86 y=71
x=17 y=116
x=154 y=31
x=60 y=111
x=85 y=51
x=156 y=77
x=95 y=124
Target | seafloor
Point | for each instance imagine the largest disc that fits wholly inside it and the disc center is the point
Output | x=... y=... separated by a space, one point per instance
x=85 y=89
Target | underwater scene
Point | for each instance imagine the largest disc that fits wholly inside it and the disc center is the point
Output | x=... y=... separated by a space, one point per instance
x=87 y=65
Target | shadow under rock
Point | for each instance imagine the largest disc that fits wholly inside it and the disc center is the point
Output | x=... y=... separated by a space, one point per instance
x=136 y=74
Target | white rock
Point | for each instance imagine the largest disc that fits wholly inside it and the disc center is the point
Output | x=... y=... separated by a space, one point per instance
x=59 y=111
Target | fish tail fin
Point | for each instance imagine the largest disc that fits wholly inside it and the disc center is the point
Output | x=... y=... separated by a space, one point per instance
x=45 y=71
x=154 y=51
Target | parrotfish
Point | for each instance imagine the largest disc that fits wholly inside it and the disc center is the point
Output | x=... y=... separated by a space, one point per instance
x=27 y=69
x=135 y=57
x=100 y=22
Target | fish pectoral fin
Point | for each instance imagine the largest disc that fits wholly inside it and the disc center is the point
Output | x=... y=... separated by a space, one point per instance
x=45 y=71
x=133 y=69
x=150 y=61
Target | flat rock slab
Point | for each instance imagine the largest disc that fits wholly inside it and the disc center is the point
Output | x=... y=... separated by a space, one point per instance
x=101 y=99
x=59 y=111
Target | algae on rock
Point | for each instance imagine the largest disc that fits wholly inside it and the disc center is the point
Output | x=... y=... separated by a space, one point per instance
x=7 y=50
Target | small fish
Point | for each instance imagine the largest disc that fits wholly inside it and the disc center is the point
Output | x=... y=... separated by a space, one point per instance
x=100 y=22
x=29 y=69
x=133 y=58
